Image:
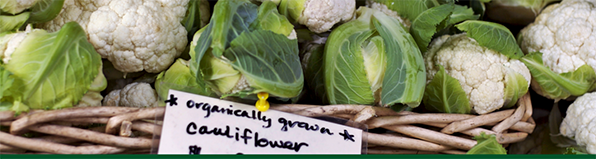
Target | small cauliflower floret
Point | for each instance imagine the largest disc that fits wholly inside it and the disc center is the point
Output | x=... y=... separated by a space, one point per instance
x=383 y=8
x=133 y=95
x=481 y=72
x=565 y=34
x=134 y=35
x=580 y=122
x=318 y=15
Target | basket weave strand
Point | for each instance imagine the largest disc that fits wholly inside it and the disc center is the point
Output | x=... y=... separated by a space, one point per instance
x=411 y=133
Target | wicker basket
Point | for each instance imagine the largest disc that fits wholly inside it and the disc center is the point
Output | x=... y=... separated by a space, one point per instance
x=131 y=130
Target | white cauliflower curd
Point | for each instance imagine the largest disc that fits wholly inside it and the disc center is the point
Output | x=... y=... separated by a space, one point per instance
x=481 y=72
x=565 y=34
x=135 y=35
x=318 y=15
x=137 y=94
x=580 y=122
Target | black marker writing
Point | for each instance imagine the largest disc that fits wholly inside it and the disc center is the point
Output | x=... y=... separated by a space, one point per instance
x=246 y=136
x=191 y=129
x=208 y=108
x=194 y=150
x=306 y=126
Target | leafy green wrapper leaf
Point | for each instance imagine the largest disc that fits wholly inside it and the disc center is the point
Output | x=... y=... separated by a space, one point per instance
x=45 y=10
x=435 y=19
x=12 y=23
x=269 y=61
x=558 y=86
x=478 y=6
x=345 y=73
x=292 y=9
x=178 y=77
x=230 y=18
x=487 y=144
x=18 y=107
x=444 y=94
x=352 y=65
x=493 y=36
x=5 y=106
x=554 y=125
x=574 y=151
x=409 y=9
x=245 y=47
x=405 y=75
x=269 y=19
x=54 y=70
x=313 y=72
x=461 y=13
x=515 y=87
x=197 y=16
x=6 y=81
x=426 y=24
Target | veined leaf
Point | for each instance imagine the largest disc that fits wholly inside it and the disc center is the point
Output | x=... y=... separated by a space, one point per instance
x=405 y=75
x=54 y=70
x=6 y=81
x=461 y=13
x=291 y=9
x=345 y=75
x=444 y=94
x=493 y=36
x=247 y=43
x=410 y=9
x=45 y=10
x=230 y=19
x=268 y=18
x=313 y=72
x=559 y=86
x=269 y=61
x=197 y=16
x=178 y=77
x=515 y=87
x=425 y=26
x=12 y=23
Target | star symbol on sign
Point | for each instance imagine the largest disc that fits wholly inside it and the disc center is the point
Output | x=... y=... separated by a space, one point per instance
x=173 y=100
x=347 y=135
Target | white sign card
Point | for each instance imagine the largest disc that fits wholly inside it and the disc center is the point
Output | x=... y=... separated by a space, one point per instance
x=195 y=124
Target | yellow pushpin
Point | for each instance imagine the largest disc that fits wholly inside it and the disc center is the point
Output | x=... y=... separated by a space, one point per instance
x=262 y=104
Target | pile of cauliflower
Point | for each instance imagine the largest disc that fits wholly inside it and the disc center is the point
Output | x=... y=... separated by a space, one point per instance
x=139 y=39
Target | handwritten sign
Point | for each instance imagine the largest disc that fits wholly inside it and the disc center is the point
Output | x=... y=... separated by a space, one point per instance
x=195 y=124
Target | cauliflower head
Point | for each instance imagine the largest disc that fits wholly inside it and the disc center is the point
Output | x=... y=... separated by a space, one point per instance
x=579 y=122
x=481 y=72
x=137 y=94
x=134 y=35
x=318 y=15
x=565 y=34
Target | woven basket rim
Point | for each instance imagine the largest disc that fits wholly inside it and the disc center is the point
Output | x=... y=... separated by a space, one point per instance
x=509 y=126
